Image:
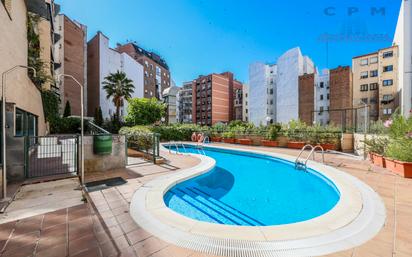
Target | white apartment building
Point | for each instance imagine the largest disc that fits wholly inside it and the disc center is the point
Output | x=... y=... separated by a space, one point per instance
x=102 y=61
x=322 y=101
x=403 y=39
x=184 y=99
x=273 y=89
x=245 y=104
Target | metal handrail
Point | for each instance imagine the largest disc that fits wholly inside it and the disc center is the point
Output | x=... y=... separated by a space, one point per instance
x=312 y=153
x=96 y=130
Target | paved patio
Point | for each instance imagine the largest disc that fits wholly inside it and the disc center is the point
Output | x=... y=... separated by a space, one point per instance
x=103 y=227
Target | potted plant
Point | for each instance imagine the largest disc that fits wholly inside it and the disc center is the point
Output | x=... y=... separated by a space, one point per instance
x=245 y=141
x=271 y=136
x=376 y=147
x=296 y=133
x=216 y=137
x=228 y=137
x=399 y=157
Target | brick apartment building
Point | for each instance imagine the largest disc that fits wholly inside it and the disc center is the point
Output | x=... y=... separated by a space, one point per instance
x=71 y=58
x=215 y=98
x=306 y=97
x=340 y=109
x=156 y=70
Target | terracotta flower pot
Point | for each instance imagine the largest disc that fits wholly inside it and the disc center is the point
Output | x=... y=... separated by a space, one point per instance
x=389 y=163
x=229 y=140
x=378 y=160
x=216 y=139
x=245 y=141
x=328 y=146
x=403 y=168
x=269 y=143
x=296 y=145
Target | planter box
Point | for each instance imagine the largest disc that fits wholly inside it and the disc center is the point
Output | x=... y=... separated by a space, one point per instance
x=216 y=139
x=378 y=160
x=403 y=169
x=245 y=141
x=329 y=146
x=229 y=140
x=269 y=143
x=296 y=145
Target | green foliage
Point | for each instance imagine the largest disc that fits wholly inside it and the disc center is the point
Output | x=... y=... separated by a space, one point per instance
x=50 y=105
x=98 y=117
x=119 y=88
x=400 y=149
x=143 y=111
x=273 y=131
x=178 y=132
x=113 y=126
x=296 y=130
x=65 y=125
x=400 y=138
x=138 y=137
x=229 y=134
x=378 y=128
x=67 y=110
x=376 y=145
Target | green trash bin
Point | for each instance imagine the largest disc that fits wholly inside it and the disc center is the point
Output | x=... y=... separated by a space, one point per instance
x=102 y=144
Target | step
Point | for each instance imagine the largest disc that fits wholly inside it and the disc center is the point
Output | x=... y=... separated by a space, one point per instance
x=246 y=218
x=219 y=209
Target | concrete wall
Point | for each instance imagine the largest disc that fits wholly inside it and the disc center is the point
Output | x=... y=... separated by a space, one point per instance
x=358 y=145
x=116 y=160
x=322 y=117
x=258 y=93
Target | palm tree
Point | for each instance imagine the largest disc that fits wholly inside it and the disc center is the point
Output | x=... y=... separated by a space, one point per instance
x=118 y=87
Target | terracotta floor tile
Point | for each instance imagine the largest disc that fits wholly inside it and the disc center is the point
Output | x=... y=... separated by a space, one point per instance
x=149 y=246
x=83 y=244
x=173 y=251
x=53 y=251
x=28 y=225
x=22 y=241
x=94 y=252
x=23 y=251
x=137 y=235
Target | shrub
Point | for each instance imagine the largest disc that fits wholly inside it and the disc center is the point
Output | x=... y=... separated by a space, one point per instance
x=400 y=138
x=138 y=137
x=273 y=131
x=65 y=125
x=400 y=149
x=376 y=145
x=229 y=134
x=143 y=111
x=296 y=130
x=67 y=110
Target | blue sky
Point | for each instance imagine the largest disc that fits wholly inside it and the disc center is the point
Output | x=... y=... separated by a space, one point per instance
x=204 y=36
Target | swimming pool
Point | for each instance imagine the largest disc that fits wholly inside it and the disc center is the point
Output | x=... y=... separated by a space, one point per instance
x=248 y=189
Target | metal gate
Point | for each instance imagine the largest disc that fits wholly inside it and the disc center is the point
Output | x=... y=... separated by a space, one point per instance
x=51 y=155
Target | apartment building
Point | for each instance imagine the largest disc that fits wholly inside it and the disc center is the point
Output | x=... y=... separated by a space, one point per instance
x=170 y=99
x=245 y=106
x=306 y=98
x=156 y=71
x=340 y=97
x=185 y=103
x=45 y=12
x=102 y=60
x=213 y=99
x=71 y=58
x=375 y=82
x=24 y=108
x=274 y=88
x=237 y=101
x=403 y=39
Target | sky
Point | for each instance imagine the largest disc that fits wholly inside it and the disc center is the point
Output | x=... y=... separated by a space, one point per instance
x=199 y=37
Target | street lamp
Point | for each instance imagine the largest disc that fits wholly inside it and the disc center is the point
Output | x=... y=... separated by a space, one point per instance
x=81 y=121
x=3 y=100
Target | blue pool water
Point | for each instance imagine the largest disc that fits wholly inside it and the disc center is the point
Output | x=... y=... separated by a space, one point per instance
x=248 y=189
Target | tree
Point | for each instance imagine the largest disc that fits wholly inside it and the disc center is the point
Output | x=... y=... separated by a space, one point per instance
x=67 y=110
x=119 y=88
x=98 y=116
x=143 y=111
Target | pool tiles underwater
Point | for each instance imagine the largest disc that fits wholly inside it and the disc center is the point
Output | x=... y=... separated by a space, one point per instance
x=249 y=189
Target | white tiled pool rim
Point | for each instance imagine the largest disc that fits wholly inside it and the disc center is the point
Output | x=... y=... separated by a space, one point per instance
x=357 y=217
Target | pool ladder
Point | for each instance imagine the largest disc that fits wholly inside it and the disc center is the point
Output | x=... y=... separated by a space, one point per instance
x=176 y=144
x=302 y=165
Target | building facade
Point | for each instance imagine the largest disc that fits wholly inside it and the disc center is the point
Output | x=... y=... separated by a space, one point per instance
x=274 y=88
x=245 y=103
x=101 y=62
x=185 y=103
x=71 y=58
x=156 y=71
x=403 y=39
x=24 y=108
x=307 y=98
x=213 y=99
x=375 y=82
x=170 y=99
x=341 y=96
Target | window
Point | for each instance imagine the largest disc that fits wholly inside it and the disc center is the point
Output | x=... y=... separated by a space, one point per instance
x=364 y=87
x=158 y=71
x=146 y=63
x=388 y=54
x=25 y=124
x=373 y=86
x=373 y=101
x=388 y=68
x=364 y=75
x=271 y=91
x=364 y=62
x=328 y=96
x=321 y=109
x=388 y=82
x=387 y=111
x=374 y=73
x=321 y=97
x=387 y=97
x=364 y=100
x=321 y=84
x=374 y=59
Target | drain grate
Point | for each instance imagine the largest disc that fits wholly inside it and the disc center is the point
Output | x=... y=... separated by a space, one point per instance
x=104 y=184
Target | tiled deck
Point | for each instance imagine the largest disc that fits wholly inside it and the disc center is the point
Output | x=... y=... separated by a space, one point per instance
x=105 y=228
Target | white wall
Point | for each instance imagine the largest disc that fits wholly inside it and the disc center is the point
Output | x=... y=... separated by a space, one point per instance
x=245 y=102
x=112 y=61
x=257 y=93
x=290 y=66
x=403 y=38
x=323 y=76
